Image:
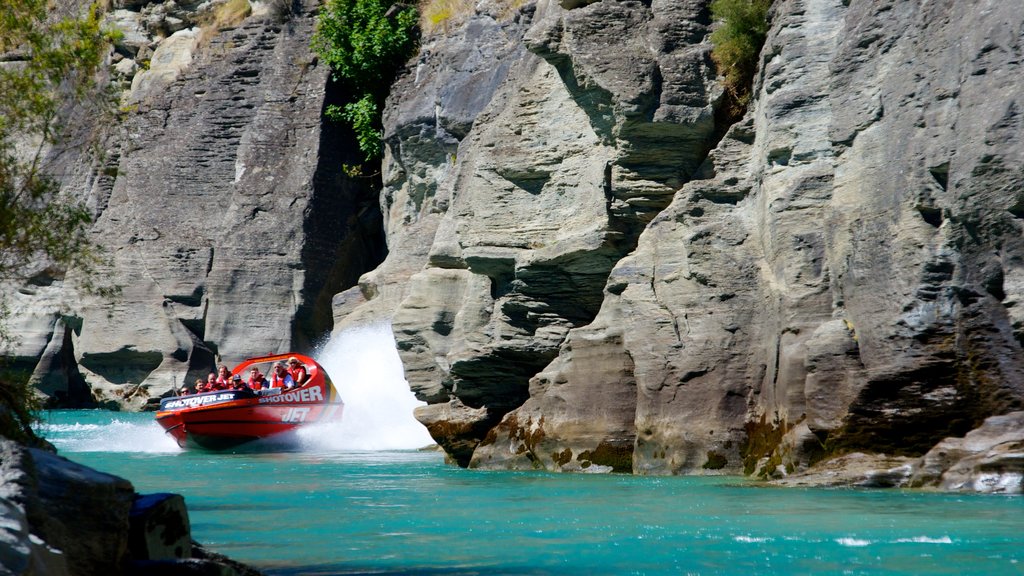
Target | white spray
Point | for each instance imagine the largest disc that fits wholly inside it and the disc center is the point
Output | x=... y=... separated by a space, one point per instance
x=363 y=362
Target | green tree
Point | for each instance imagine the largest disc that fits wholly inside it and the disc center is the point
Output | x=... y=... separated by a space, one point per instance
x=365 y=42
x=49 y=68
x=742 y=29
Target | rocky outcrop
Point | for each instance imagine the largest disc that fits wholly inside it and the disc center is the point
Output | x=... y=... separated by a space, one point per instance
x=58 y=517
x=615 y=280
x=531 y=214
x=988 y=460
x=220 y=199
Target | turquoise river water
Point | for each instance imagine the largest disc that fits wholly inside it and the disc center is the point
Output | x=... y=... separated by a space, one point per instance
x=323 y=510
x=358 y=498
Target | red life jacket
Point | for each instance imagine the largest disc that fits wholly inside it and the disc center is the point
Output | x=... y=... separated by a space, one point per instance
x=299 y=375
x=278 y=381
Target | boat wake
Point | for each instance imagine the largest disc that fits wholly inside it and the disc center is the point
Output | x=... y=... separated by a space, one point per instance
x=114 y=434
x=363 y=363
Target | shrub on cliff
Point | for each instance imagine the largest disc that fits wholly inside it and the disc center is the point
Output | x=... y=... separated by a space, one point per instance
x=742 y=29
x=365 y=42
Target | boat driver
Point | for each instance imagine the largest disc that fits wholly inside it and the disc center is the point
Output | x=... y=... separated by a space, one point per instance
x=238 y=385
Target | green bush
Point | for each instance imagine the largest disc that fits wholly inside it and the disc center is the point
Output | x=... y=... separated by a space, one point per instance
x=743 y=26
x=365 y=42
x=19 y=407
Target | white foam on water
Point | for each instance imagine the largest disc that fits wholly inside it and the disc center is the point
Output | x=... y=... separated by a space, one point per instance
x=751 y=539
x=927 y=540
x=65 y=428
x=115 y=436
x=853 y=542
x=364 y=365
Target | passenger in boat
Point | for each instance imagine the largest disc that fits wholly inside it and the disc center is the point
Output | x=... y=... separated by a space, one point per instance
x=256 y=380
x=183 y=391
x=297 y=371
x=281 y=378
x=239 y=385
x=224 y=377
x=211 y=382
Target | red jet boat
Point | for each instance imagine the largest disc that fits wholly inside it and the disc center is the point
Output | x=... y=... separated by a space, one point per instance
x=227 y=418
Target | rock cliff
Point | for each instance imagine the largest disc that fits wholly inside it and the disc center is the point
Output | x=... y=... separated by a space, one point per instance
x=590 y=270
x=220 y=199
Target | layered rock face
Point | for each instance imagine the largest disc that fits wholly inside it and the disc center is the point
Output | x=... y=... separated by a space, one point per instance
x=595 y=274
x=220 y=199
x=530 y=191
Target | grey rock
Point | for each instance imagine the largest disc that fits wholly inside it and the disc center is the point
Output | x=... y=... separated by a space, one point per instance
x=21 y=552
x=58 y=517
x=127 y=68
x=225 y=214
x=856 y=470
x=989 y=459
x=160 y=528
x=79 y=511
x=133 y=32
x=527 y=217
x=172 y=57
x=839 y=274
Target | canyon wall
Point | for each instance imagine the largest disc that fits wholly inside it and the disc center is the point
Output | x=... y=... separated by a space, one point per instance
x=592 y=270
x=220 y=199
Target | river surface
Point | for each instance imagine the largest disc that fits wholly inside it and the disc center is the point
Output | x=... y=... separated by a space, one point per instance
x=321 y=508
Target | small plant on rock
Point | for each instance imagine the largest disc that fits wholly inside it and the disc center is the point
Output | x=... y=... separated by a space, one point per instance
x=742 y=29
x=365 y=42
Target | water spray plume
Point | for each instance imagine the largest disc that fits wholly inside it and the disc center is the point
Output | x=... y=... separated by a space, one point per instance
x=363 y=362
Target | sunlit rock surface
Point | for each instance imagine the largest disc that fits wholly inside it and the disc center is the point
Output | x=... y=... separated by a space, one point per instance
x=836 y=272
x=58 y=517
x=220 y=199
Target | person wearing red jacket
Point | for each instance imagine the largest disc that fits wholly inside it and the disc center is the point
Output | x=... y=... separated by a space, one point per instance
x=280 y=378
x=297 y=371
x=223 y=378
x=256 y=380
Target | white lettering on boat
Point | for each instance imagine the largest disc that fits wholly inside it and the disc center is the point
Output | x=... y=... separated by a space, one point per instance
x=306 y=395
x=193 y=401
x=296 y=414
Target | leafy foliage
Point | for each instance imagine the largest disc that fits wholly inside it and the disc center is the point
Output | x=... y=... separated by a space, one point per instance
x=364 y=116
x=52 y=61
x=365 y=42
x=18 y=408
x=738 y=41
x=56 y=63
